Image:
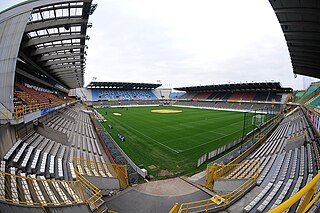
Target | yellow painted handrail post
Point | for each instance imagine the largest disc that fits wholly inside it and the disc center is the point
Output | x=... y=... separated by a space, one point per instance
x=308 y=197
x=295 y=198
x=174 y=208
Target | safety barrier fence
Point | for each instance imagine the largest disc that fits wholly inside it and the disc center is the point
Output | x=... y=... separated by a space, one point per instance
x=219 y=201
x=20 y=111
x=236 y=155
x=35 y=191
x=246 y=142
x=109 y=144
x=93 y=193
x=93 y=168
x=311 y=193
x=223 y=171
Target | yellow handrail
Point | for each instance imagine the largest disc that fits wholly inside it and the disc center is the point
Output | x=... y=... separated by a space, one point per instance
x=30 y=185
x=226 y=199
x=95 y=195
x=103 y=169
x=307 y=190
x=20 y=111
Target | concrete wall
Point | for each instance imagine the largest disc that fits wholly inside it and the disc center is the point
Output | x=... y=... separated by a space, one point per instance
x=105 y=184
x=162 y=93
x=11 y=32
x=83 y=93
x=24 y=129
x=7 y=138
x=52 y=134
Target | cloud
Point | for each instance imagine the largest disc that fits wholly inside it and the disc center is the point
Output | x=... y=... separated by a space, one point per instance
x=186 y=42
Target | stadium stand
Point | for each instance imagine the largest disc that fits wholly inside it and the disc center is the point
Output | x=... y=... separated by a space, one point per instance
x=50 y=144
x=107 y=94
x=309 y=93
x=265 y=92
x=201 y=95
x=236 y=96
x=105 y=91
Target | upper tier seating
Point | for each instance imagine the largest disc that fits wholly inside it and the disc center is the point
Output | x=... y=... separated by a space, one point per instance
x=113 y=94
x=202 y=95
x=188 y=95
x=314 y=102
x=310 y=90
x=248 y=96
x=261 y=96
x=274 y=97
x=236 y=96
x=30 y=95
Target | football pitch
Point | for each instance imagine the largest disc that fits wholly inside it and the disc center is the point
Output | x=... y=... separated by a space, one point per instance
x=169 y=144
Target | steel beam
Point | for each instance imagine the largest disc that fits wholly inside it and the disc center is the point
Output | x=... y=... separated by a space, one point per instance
x=37 y=41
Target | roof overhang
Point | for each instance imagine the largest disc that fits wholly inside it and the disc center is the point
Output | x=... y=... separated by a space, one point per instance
x=55 y=38
x=122 y=85
x=254 y=87
x=300 y=23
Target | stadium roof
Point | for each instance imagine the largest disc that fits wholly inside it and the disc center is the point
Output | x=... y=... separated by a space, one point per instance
x=300 y=23
x=271 y=86
x=122 y=85
x=54 y=38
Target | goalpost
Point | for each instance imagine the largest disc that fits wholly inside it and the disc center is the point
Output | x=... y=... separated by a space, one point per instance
x=257 y=120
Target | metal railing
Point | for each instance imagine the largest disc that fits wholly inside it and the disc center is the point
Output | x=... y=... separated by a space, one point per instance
x=214 y=202
x=93 y=192
x=102 y=169
x=221 y=171
x=311 y=196
x=20 y=111
x=34 y=191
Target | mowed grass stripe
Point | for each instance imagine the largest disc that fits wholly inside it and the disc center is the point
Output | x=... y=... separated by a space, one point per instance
x=146 y=136
x=176 y=131
x=172 y=142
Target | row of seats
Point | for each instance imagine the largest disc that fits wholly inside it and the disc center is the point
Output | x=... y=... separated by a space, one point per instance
x=244 y=96
x=22 y=188
x=310 y=90
x=291 y=169
x=228 y=105
x=38 y=159
x=28 y=95
x=113 y=94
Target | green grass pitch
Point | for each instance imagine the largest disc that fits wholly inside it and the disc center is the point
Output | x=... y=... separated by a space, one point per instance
x=170 y=144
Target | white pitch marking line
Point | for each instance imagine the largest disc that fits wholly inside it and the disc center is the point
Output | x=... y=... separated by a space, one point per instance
x=153 y=139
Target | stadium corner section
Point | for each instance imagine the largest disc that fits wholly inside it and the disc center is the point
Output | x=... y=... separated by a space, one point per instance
x=219 y=171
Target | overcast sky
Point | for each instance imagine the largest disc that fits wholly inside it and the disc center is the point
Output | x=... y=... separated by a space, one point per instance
x=186 y=42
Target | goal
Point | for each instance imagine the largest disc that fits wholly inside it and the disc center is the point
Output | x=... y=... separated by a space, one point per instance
x=258 y=120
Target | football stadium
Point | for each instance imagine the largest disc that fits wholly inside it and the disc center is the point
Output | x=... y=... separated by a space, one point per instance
x=144 y=147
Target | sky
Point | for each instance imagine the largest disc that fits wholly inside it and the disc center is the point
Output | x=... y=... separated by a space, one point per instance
x=186 y=43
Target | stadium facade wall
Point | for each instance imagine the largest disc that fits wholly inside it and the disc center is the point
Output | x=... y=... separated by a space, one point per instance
x=7 y=138
x=12 y=26
x=162 y=93
x=83 y=93
x=105 y=184
x=23 y=129
x=53 y=134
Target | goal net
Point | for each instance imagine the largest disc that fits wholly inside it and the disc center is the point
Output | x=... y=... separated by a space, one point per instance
x=257 y=120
